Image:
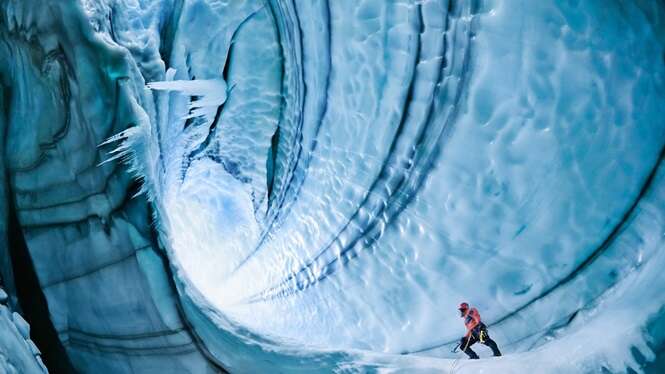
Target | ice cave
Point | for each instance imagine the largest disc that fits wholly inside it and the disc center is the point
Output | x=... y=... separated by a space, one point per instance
x=314 y=186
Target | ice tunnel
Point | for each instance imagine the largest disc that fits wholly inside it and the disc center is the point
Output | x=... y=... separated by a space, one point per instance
x=298 y=186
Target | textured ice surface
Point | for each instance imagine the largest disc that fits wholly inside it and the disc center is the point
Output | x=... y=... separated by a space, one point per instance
x=18 y=354
x=65 y=89
x=328 y=179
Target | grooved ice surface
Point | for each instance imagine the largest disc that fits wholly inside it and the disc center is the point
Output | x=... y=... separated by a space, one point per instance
x=329 y=179
x=453 y=153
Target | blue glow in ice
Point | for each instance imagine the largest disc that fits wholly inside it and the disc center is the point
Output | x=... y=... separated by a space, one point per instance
x=329 y=179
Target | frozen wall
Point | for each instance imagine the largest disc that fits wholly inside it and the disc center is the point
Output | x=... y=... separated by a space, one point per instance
x=65 y=91
x=18 y=354
x=318 y=184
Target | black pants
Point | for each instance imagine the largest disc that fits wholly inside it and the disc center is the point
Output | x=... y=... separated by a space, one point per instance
x=476 y=337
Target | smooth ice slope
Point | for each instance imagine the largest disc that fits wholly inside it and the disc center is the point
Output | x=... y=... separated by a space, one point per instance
x=322 y=182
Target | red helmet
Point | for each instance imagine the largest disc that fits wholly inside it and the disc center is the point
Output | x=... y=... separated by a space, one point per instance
x=463 y=306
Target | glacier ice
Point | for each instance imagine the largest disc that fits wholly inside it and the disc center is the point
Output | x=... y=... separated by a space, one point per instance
x=206 y=185
x=18 y=354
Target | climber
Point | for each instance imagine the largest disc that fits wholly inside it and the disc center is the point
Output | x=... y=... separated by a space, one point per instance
x=476 y=331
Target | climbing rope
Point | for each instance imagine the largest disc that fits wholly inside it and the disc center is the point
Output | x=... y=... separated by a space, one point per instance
x=453 y=367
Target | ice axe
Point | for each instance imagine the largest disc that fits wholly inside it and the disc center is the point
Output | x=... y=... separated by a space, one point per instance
x=455 y=348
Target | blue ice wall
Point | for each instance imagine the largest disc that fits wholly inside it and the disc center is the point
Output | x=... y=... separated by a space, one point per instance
x=18 y=353
x=316 y=185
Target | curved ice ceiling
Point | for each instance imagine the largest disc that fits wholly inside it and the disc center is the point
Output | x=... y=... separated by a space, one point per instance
x=327 y=180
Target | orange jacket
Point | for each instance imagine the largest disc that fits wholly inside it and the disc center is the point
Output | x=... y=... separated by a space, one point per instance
x=471 y=320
